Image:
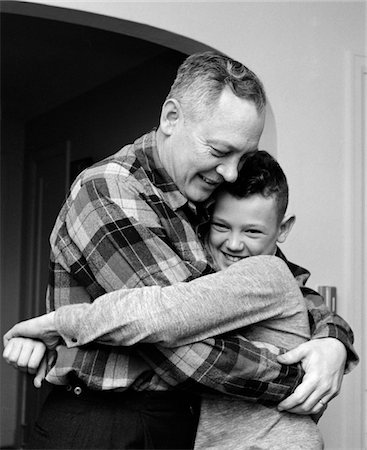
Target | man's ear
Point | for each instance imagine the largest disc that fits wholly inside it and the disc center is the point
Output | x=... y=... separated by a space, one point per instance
x=285 y=228
x=170 y=116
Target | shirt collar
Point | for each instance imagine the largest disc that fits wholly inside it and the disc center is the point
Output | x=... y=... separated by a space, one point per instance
x=147 y=153
x=301 y=274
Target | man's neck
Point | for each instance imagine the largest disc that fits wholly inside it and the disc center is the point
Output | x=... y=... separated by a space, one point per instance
x=160 y=146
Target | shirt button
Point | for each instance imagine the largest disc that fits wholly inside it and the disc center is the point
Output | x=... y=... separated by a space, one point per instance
x=77 y=390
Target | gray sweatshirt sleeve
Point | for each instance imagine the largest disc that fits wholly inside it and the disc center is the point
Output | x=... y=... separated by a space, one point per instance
x=249 y=291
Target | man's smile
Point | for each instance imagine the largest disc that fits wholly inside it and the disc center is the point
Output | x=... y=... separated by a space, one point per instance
x=210 y=181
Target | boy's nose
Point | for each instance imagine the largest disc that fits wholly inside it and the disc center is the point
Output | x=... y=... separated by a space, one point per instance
x=235 y=243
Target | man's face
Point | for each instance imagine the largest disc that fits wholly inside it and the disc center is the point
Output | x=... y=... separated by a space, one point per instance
x=202 y=154
x=242 y=227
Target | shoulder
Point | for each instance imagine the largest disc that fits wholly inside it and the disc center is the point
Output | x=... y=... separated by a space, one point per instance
x=118 y=176
x=122 y=165
x=300 y=273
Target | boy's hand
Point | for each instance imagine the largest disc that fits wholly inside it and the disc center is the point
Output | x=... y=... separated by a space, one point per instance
x=41 y=328
x=29 y=355
x=323 y=361
x=24 y=354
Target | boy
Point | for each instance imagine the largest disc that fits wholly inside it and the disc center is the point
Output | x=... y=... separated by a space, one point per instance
x=248 y=219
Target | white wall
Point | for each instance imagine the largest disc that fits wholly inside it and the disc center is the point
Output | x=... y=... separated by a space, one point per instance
x=300 y=50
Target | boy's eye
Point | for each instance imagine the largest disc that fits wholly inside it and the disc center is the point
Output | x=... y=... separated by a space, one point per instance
x=254 y=232
x=218 y=226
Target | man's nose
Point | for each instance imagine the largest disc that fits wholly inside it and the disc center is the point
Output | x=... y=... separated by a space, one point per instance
x=235 y=243
x=229 y=171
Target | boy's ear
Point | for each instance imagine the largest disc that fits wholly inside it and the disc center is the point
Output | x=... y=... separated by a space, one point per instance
x=285 y=228
x=170 y=115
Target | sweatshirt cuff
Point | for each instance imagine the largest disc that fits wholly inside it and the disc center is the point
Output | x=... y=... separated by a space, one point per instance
x=66 y=324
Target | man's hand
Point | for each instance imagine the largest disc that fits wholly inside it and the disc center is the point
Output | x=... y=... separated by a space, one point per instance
x=29 y=355
x=323 y=361
x=41 y=328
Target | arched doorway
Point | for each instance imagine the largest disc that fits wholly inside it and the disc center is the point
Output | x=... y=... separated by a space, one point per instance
x=143 y=32
x=72 y=94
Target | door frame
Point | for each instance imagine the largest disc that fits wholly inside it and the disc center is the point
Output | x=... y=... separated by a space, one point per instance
x=355 y=239
x=30 y=399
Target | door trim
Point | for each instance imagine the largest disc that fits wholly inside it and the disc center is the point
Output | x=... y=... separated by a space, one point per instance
x=355 y=188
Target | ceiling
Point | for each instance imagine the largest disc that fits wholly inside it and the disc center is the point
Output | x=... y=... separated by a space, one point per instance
x=45 y=63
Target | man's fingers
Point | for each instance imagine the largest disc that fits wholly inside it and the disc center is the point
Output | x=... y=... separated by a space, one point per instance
x=317 y=411
x=314 y=404
x=308 y=395
x=323 y=361
x=293 y=356
x=306 y=390
x=52 y=357
x=41 y=373
x=47 y=362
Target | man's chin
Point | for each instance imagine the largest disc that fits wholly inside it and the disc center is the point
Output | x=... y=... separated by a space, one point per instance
x=198 y=196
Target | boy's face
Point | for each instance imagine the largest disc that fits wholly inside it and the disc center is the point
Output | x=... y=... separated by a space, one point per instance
x=244 y=227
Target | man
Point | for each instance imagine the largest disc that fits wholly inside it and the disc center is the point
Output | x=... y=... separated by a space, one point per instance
x=129 y=222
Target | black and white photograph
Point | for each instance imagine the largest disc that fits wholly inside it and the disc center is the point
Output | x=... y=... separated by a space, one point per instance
x=183 y=226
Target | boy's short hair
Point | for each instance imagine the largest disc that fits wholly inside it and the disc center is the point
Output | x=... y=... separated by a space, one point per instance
x=260 y=174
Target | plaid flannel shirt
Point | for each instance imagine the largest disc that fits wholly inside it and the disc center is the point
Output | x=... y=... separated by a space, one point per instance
x=125 y=225
x=174 y=365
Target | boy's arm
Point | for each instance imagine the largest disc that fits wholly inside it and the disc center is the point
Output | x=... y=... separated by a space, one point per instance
x=159 y=315
x=214 y=364
x=249 y=291
x=231 y=365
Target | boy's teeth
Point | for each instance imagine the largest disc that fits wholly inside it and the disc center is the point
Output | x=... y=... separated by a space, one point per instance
x=233 y=258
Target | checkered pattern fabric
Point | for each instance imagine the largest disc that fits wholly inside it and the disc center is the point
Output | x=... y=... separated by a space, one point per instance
x=125 y=225
x=230 y=364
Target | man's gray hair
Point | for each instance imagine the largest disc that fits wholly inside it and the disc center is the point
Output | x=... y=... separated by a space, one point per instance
x=202 y=77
